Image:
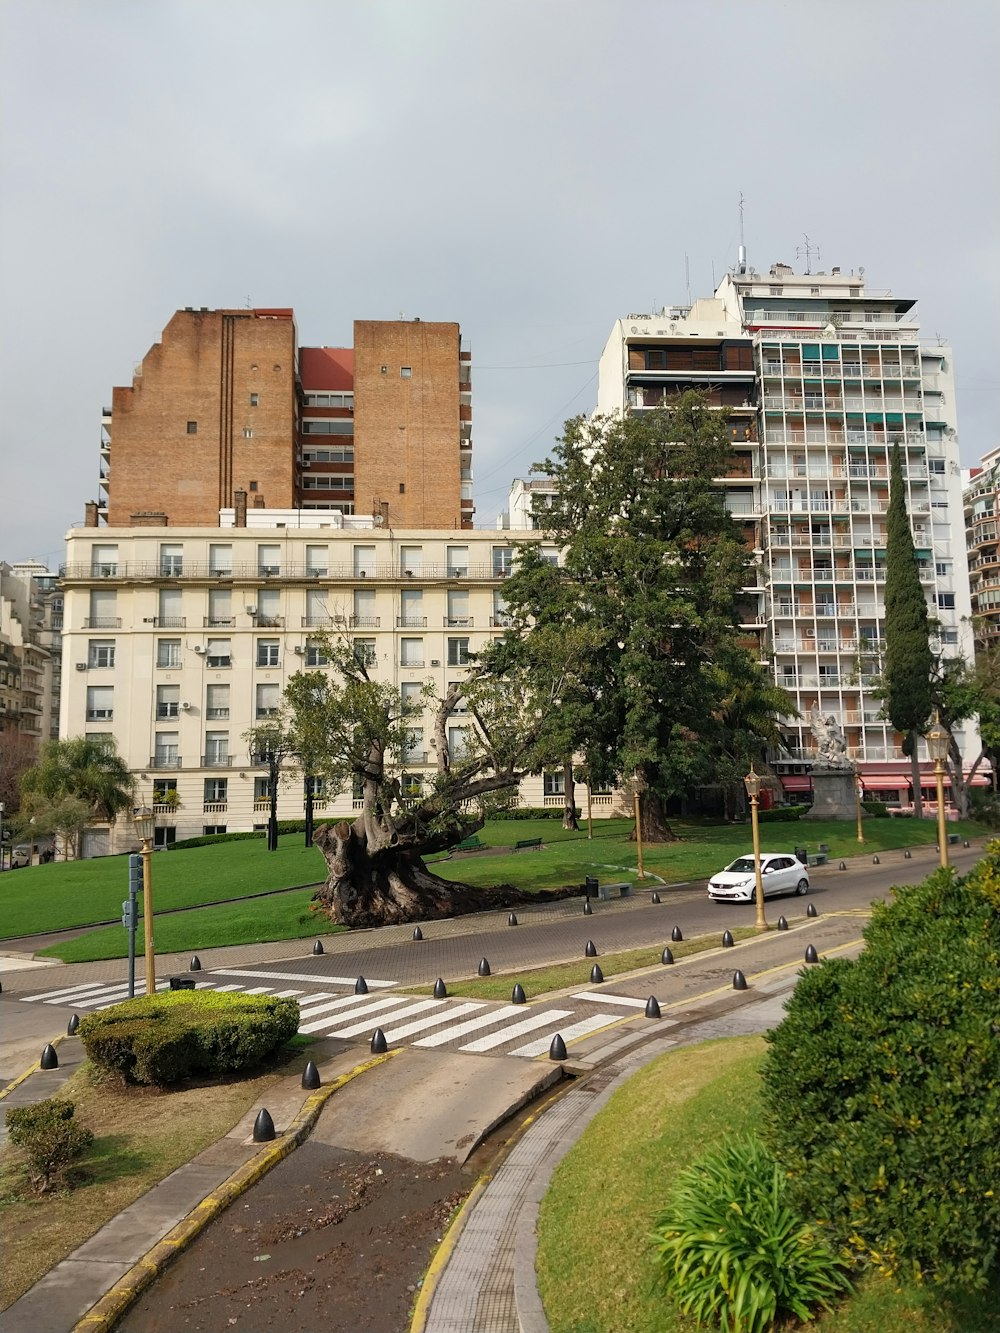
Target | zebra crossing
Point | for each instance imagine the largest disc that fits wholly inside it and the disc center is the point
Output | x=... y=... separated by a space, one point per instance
x=477 y=1027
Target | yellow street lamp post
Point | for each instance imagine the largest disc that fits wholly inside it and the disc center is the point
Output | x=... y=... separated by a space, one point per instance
x=937 y=747
x=638 y=787
x=859 y=793
x=752 y=784
x=145 y=827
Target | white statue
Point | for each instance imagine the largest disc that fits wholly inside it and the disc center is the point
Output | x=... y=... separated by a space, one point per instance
x=831 y=743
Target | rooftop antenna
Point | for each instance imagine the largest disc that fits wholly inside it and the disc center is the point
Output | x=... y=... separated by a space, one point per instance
x=742 y=266
x=249 y=306
x=687 y=278
x=809 y=250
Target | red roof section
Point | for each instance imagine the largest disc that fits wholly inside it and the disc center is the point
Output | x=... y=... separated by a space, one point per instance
x=326 y=367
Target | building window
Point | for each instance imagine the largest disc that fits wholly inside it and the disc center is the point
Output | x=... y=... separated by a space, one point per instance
x=192 y=428
x=317 y=561
x=316 y=655
x=220 y=607
x=936 y=465
x=405 y=372
x=364 y=652
x=946 y=601
x=209 y=829
x=409 y=694
x=168 y=652
x=216 y=789
x=269 y=560
x=345 y=454
x=411 y=560
x=503 y=560
x=220 y=653
x=413 y=750
x=461 y=706
x=364 y=562
x=164 y=790
x=328 y=481
x=328 y=426
x=217 y=703
x=314 y=786
x=104 y=561
x=458 y=652
x=101 y=653
x=216 y=748
x=267 y=652
x=100 y=703
x=267 y=700
x=220 y=559
x=167 y=702
x=165 y=754
x=553 y=783
x=458 y=562
x=171 y=559
x=247 y=433
x=949 y=636
x=165 y=836
x=412 y=787
x=411 y=652
x=253 y=485
x=254 y=399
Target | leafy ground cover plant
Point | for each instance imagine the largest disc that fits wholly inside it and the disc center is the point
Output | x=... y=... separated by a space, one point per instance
x=734 y=1251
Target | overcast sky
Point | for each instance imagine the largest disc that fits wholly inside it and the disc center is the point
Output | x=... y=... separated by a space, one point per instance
x=530 y=168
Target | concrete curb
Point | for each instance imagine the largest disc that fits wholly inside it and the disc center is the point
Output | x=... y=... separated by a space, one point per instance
x=32 y=1069
x=102 y=1317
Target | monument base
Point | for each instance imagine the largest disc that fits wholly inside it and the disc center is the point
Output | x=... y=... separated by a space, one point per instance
x=834 y=795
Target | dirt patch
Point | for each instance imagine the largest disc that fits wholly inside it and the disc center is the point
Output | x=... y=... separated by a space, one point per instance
x=330 y=1239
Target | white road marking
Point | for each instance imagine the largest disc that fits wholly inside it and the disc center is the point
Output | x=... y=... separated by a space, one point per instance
x=79 y=989
x=390 y=1002
x=626 y=1000
x=494 y=1016
x=365 y=1026
x=543 y=1019
x=580 y=1029
x=431 y=1021
x=298 y=976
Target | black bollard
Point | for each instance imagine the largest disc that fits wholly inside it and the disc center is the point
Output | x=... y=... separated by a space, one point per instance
x=907 y=855
x=811 y=955
x=418 y=934
x=195 y=964
x=590 y=949
x=966 y=843
x=666 y=956
x=361 y=986
x=73 y=1025
x=484 y=967
x=677 y=934
x=310 y=1076
x=811 y=910
x=318 y=948
x=49 y=1059
x=440 y=990
x=727 y=939
x=517 y=995
x=263 y=1127
x=512 y=919
x=596 y=975
x=379 y=1043
x=782 y=923
x=557 y=1048
x=739 y=980
x=652 y=1007
x=876 y=861
x=587 y=909
x=842 y=866
x=654 y=897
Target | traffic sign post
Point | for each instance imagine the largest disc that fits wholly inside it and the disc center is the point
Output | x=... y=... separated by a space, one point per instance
x=130 y=915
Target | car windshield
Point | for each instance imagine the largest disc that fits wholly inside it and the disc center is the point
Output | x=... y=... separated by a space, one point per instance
x=742 y=863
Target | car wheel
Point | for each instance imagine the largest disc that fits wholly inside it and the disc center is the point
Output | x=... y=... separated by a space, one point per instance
x=802 y=887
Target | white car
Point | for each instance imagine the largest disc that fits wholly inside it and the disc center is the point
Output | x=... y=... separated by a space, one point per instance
x=780 y=872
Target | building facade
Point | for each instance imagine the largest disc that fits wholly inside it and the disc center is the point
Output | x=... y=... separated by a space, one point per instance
x=30 y=651
x=819 y=377
x=981 y=497
x=227 y=403
x=179 y=640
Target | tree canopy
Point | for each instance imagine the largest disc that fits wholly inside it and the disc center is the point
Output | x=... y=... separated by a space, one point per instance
x=76 y=782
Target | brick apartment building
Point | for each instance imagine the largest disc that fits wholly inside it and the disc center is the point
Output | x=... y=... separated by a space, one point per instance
x=227 y=402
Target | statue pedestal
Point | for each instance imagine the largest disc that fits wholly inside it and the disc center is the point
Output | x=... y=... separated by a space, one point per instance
x=834 y=794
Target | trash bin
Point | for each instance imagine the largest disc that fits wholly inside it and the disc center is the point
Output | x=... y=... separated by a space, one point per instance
x=590 y=887
x=802 y=855
x=182 y=983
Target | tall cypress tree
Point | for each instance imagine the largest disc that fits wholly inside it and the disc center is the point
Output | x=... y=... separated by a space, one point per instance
x=906 y=680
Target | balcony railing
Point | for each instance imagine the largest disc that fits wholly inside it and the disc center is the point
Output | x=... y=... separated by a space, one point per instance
x=365 y=622
x=218 y=622
x=246 y=573
x=165 y=759
x=216 y=761
x=266 y=622
x=102 y=622
x=458 y=622
x=411 y=622
x=217 y=714
x=215 y=807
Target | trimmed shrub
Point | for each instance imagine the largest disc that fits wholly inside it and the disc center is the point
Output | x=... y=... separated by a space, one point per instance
x=51 y=1139
x=733 y=1251
x=782 y=814
x=161 y=1039
x=518 y=812
x=882 y=1084
x=877 y=808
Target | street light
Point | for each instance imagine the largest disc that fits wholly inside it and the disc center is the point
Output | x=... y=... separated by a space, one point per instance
x=752 y=784
x=145 y=826
x=938 y=741
x=859 y=794
x=638 y=787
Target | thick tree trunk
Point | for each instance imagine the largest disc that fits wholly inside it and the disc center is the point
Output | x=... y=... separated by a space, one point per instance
x=392 y=885
x=570 y=820
x=654 y=820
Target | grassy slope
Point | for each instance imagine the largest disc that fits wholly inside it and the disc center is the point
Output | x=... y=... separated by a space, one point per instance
x=595 y=1262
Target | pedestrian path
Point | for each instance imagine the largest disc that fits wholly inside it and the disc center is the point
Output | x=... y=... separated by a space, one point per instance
x=477 y=1027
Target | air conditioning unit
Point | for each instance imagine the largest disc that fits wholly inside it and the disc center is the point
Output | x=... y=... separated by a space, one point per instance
x=185 y=707
x=200 y=649
x=298 y=650
x=81 y=666
x=149 y=620
x=251 y=610
x=435 y=661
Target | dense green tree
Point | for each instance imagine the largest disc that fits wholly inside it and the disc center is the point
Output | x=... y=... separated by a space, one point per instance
x=76 y=782
x=653 y=566
x=907 y=662
x=358 y=733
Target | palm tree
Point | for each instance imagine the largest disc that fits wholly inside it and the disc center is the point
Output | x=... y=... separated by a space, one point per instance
x=750 y=704
x=81 y=774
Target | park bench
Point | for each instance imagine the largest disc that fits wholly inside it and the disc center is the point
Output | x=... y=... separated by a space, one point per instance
x=821 y=856
x=528 y=844
x=472 y=844
x=606 y=891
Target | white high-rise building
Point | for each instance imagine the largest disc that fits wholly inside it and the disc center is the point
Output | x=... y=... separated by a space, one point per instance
x=819 y=377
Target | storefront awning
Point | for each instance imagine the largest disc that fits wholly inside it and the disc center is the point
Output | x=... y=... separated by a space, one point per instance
x=885 y=781
x=796 y=783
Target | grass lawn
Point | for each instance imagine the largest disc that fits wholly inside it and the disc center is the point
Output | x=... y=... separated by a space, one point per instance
x=287 y=917
x=140 y=1136
x=595 y=1262
x=81 y=893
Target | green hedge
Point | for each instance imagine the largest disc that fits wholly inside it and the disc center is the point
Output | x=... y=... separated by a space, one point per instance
x=206 y=839
x=160 y=1039
x=877 y=808
x=531 y=812
x=882 y=1084
x=781 y=814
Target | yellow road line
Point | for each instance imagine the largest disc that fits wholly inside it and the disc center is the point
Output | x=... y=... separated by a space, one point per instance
x=33 y=1069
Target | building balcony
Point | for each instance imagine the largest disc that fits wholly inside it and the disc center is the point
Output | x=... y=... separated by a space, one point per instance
x=266 y=622
x=102 y=622
x=215 y=807
x=365 y=622
x=218 y=622
x=216 y=761
x=411 y=622
x=165 y=759
x=458 y=622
